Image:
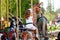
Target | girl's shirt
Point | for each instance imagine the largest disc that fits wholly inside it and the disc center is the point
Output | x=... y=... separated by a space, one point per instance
x=29 y=20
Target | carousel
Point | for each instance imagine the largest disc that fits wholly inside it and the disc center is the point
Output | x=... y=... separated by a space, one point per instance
x=12 y=27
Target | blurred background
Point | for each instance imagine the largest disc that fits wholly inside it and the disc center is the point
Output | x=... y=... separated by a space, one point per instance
x=51 y=10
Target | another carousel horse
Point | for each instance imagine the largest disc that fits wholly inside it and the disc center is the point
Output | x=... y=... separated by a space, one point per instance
x=12 y=33
x=39 y=20
x=37 y=14
x=42 y=26
x=42 y=23
x=9 y=31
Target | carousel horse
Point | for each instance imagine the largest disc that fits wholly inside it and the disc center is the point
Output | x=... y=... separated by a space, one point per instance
x=23 y=34
x=4 y=36
x=9 y=31
x=12 y=28
x=42 y=26
x=26 y=35
x=41 y=22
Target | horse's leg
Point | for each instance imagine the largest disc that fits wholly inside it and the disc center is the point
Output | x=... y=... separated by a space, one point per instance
x=24 y=35
x=40 y=29
x=36 y=34
x=31 y=37
x=45 y=29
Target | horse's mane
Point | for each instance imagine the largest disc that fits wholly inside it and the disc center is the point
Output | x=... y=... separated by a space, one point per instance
x=41 y=19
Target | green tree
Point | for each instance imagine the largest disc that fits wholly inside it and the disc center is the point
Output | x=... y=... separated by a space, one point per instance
x=50 y=13
x=3 y=7
x=12 y=6
x=58 y=10
x=25 y=4
x=49 y=8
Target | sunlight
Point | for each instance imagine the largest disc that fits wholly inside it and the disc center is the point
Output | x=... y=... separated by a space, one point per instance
x=56 y=3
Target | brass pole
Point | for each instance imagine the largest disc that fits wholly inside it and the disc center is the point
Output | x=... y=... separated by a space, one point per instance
x=31 y=3
x=0 y=15
x=20 y=8
x=17 y=19
x=7 y=11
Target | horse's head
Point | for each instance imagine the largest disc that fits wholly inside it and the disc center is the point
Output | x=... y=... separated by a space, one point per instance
x=37 y=8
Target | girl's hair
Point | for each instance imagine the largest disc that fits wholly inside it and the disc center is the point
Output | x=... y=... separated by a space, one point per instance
x=27 y=14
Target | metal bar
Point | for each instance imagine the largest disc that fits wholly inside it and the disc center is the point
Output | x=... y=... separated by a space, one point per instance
x=0 y=15
x=20 y=8
x=7 y=11
x=31 y=3
x=17 y=19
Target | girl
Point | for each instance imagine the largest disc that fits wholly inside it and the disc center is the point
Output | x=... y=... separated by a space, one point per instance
x=29 y=23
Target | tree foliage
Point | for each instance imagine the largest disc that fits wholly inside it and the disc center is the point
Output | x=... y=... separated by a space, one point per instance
x=58 y=10
x=12 y=6
x=25 y=4
x=3 y=7
x=50 y=14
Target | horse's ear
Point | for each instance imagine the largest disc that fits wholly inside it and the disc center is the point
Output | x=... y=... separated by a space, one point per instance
x=36 y=4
